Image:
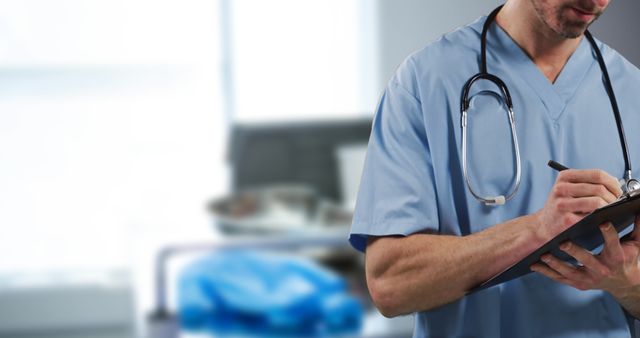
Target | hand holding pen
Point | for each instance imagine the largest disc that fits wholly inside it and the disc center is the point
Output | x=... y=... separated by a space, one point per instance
x=559 y=167
x=575 y=194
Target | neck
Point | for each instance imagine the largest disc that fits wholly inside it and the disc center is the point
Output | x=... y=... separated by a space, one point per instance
x=546 y=48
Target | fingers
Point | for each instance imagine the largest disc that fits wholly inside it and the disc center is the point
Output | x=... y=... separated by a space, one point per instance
x=582 y=191
x=585 y=258
x=554 y=275
x=562 y=272
x=592 y=176
x=550 y=273
x=612 y=249
x=564 y=269
x=567 y=189
x=581 y=205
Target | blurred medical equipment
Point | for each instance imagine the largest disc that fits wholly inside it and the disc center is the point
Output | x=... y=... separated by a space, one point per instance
x=264 y=294
x=293 y=153
x=164 y=323
x=291 y=177
x=629 y=184
x=279 y=209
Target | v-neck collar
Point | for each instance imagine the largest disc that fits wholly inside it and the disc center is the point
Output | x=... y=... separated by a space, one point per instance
x=502 y=51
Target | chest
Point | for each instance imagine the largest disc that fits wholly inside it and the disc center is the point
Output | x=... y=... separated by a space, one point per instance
x=578 y=130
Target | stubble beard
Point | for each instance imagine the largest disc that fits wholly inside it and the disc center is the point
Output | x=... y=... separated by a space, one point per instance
x=561 y=24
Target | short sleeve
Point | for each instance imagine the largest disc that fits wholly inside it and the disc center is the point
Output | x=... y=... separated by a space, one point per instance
x=397 y=193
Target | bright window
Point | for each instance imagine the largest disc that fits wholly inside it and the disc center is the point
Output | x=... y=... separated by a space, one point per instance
x=110 y=125
x=297 y=59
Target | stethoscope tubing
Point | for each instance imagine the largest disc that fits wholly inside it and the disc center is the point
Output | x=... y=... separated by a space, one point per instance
x=495 y=200
x=614 y=105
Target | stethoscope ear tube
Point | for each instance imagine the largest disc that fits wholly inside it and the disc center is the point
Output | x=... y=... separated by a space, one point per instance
x=464 y=104
x=490 y=77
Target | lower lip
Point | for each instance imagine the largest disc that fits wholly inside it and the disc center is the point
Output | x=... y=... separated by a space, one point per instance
x=583 y=15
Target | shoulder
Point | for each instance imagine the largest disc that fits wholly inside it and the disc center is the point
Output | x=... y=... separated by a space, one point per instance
x=441 y=60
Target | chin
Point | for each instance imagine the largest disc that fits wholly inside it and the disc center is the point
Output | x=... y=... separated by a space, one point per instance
x=573 y=30
x=571 y=34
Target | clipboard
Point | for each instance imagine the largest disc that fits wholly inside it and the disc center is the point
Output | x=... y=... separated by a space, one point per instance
x=586 y=233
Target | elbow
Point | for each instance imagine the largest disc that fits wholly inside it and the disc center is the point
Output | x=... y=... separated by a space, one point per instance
x=382 y=280
x=384 y=297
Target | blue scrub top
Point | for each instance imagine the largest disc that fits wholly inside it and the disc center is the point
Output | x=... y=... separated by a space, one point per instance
x=413 y=182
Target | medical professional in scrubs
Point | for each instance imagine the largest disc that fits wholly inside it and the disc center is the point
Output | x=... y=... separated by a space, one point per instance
x=428 y=240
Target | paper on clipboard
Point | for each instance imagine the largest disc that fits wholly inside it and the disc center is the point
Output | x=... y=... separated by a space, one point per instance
x=585 y=233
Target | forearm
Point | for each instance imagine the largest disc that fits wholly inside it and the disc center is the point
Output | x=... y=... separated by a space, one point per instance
x=421 y=272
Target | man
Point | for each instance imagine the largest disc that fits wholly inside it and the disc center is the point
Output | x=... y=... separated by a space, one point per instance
x=428 y=240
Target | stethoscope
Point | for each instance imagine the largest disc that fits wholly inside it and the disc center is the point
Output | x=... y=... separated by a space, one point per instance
x=629 y=184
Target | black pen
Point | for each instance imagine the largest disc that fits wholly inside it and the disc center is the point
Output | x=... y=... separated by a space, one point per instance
x=557 y=166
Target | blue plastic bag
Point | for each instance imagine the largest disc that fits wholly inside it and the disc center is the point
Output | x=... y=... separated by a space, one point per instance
x=265 y=295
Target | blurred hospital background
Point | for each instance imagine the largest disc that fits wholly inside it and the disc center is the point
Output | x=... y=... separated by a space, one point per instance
x=189 y=168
